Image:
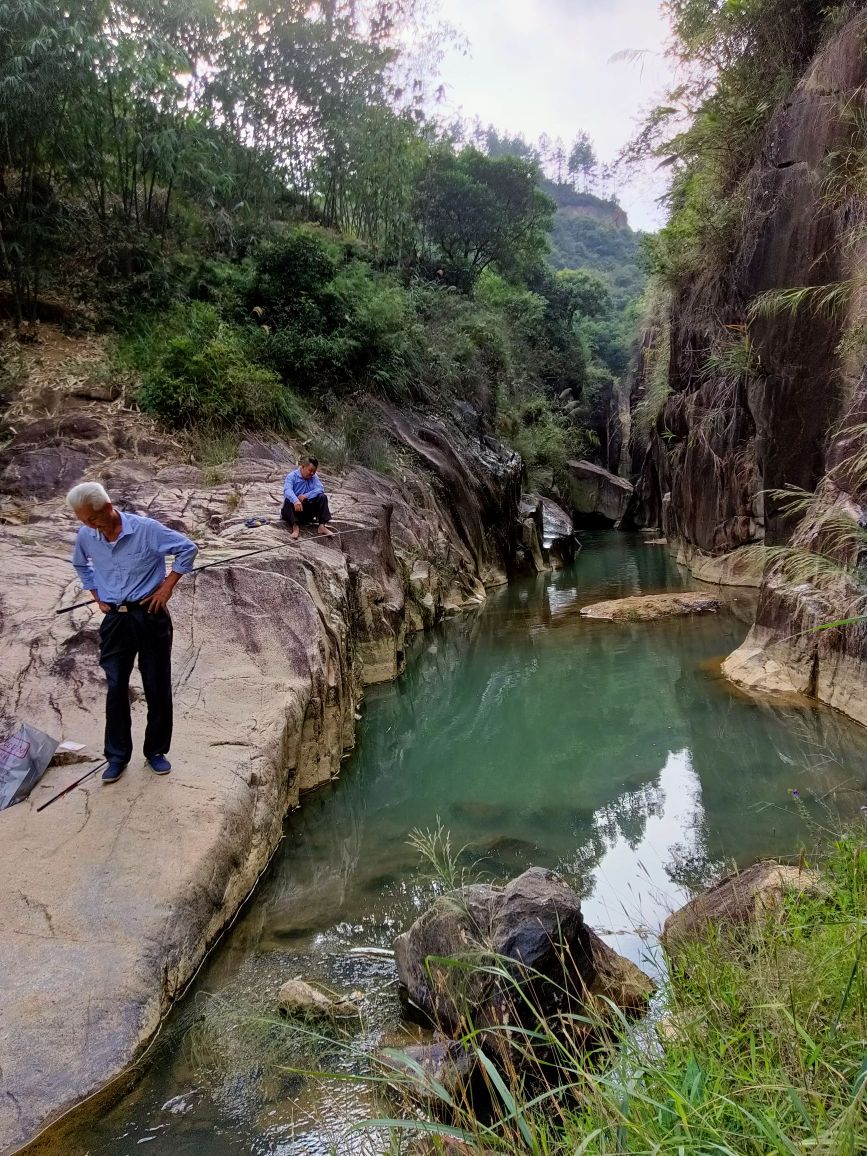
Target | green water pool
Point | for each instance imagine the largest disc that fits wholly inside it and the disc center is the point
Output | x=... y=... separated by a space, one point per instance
x=615 y=753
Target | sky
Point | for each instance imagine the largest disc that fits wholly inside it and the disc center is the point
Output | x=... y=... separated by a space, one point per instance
x=536 y=66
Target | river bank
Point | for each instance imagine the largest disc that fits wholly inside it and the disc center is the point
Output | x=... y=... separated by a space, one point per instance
x=614 y=753
x=112 y=899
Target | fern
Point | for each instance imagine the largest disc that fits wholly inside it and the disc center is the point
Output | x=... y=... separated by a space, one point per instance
x=831 y=300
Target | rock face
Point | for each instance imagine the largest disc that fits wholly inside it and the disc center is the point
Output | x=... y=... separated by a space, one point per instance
x=535 y=922
x=546 y=536
x=596 y=493
x=786 y=652
x=726 y=445
x=111 y=898
x=426 y=1068
x=649 y=607
x=739 y=568
x=737 y=900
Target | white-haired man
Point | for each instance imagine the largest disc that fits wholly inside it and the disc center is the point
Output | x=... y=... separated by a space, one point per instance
x=121 y=559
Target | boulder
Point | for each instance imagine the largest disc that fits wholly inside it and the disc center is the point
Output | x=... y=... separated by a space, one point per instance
x=533 y=926
x=617 y=979
x=298 y=998
x=596 y=493
x=649 y=607
x=737 y=900
x=425 y=1068
x=457 y=927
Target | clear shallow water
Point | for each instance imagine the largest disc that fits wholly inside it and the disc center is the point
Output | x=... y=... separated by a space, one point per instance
x=614 y=753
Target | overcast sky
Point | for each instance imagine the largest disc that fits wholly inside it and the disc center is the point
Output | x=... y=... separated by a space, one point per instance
x=544 y=66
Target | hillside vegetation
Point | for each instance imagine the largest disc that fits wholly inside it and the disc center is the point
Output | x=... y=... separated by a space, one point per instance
x=253 y=197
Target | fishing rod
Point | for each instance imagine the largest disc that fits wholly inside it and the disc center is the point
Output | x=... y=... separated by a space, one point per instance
x=233 y=558
x=71 y=786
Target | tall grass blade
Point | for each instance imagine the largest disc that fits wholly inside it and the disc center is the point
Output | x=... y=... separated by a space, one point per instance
x=508 y=1099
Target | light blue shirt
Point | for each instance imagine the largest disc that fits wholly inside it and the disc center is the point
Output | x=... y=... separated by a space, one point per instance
x=134 y=564
x=296 y=486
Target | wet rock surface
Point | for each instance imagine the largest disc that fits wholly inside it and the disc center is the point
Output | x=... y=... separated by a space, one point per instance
x=425 y=1069
x=298 y=998
x=534 y=928
x=546 y=538
x=112 y=897
x=649 y=607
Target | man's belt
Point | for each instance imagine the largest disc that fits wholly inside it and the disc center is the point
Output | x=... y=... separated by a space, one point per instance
x=123 y=607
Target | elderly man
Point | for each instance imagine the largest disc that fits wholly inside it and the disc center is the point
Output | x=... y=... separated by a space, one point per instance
x=121 y=560
x=304 y=499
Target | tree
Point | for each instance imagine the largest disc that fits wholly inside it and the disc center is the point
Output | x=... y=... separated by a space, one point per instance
x=581 y=293
x=44 y=53
x=475 y=210
x=558 y=159
x=582 y=160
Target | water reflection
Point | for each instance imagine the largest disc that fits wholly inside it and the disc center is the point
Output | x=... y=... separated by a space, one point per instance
x=613 y=752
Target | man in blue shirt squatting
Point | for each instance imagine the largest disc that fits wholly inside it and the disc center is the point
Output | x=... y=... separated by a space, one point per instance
x=304 y=499
x=121 y=560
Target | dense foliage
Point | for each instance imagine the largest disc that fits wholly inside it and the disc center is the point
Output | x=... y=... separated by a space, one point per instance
x=254 y=195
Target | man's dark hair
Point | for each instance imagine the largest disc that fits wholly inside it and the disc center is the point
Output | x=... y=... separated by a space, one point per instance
x=311 y=462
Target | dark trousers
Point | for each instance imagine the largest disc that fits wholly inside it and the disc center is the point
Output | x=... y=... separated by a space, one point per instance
x=314 y=510
x=122 y=636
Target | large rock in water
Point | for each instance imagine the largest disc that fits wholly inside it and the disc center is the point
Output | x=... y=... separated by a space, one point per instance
x=546 y=535
x=534 y=927
x=596 y=493
x=648 y=607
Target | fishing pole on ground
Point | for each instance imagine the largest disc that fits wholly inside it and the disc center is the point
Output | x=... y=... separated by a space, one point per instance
x=234 y=558
x=71 y=786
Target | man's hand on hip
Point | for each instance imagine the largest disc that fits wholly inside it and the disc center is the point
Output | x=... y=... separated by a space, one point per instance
x=104 y=606
x=157 y=601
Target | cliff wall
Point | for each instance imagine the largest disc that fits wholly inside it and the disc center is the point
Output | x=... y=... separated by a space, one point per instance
x=772 y=397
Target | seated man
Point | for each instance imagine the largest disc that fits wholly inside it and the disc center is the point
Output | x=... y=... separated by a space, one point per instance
x=304 y=499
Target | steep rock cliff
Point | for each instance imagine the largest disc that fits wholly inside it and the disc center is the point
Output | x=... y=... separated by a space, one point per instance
x=748 y=417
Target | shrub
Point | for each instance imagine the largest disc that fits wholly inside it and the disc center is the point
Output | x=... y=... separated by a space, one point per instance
x=197 y=370
x=289 y=277
x=538 y=433
x=329 y=320
x=353 y=436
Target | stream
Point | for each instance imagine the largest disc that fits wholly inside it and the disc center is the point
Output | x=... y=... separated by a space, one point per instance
x=614 y=753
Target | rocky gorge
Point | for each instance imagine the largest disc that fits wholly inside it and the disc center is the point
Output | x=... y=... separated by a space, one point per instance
x=113 y=899
x=764 y=358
